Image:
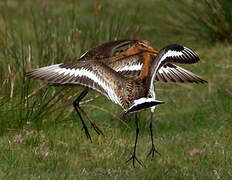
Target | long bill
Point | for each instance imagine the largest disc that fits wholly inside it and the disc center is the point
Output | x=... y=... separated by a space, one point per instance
x=151 y=50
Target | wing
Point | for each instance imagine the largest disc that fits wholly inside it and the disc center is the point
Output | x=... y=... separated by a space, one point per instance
x=92 y=74
x=171 y=53
x=128 y=66
x=107 y=49
x=131 y=66
x=173 y=73
x=178 y=54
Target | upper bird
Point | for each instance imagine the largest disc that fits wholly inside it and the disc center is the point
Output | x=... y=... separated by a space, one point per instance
x=127 y=57
x=131 y=94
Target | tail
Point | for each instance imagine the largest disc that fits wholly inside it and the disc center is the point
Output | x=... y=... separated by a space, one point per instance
x=143 y=103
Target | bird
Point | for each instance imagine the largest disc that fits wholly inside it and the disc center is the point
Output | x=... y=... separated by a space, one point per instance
x=118 y=50
x=118 y=56
x=127 y=57
x=109 y=53
x=133 y=95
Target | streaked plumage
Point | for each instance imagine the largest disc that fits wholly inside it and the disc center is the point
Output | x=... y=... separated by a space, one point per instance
x=108 y=49
x=131 y=64
x=127 y=58
x=97 y=75
x=131 y=94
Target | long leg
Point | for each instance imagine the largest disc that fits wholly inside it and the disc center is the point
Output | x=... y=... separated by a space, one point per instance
x=133 y=157
x=77 y=108
x=153 y=148
x=95 y=127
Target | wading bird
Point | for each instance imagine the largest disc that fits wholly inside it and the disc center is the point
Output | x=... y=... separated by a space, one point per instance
x=132 y=95
x=127 y=58
x=109 y=53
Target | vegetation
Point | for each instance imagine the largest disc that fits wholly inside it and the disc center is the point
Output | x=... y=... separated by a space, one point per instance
x=203 y=19
x=40 y=133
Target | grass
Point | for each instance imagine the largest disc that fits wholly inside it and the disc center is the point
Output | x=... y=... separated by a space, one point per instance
x=41 y=136
x=201 y=19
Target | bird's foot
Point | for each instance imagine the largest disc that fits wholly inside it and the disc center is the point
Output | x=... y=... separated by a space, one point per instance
x=134 y=159
x=153 y=151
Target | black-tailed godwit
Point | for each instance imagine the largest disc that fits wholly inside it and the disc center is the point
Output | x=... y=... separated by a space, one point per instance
x=132 y=95
x=127 y=57
x=109 y=53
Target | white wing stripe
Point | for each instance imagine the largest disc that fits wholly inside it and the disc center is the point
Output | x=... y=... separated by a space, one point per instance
x=136 y=67
x=91 y=75
x=169 y=53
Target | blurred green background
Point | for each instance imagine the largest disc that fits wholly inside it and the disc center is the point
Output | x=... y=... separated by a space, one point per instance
x=40 y=133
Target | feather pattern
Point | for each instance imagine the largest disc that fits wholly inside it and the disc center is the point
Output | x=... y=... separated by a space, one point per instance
x=172 y=53
x=128 y=64
x=107 y=49
x=92 y=74
x=132 y=65
x=133 y=94
x=179 y=54
x=174 y=73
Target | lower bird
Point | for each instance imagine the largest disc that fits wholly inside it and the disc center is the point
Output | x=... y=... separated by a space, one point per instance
x=132 y=95
x=111 y=53
x=127 y=58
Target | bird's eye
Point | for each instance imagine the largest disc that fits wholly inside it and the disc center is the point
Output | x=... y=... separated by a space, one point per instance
x=143 y=45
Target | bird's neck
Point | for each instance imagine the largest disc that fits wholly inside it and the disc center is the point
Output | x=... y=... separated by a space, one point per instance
x=147 y=60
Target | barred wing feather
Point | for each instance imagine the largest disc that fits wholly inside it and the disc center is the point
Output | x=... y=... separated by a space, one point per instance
x=128 y=66
x=173 y=73
x=92 y=74
x=171 y=53
x=132 y=65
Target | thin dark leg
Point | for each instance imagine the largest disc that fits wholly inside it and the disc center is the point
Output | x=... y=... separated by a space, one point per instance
x=153 y=148
x=77 y=108
x=95 y=127
x=133 y=157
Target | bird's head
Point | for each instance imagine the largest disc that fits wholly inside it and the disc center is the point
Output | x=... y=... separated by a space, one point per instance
x=143 y=46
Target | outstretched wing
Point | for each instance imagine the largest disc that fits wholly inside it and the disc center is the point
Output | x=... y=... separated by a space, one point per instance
x=107 y=49
x=172 y=53
x=178 y=54
x=173 y=73
x=92 y=74
x=128 y=66
x=132 y=65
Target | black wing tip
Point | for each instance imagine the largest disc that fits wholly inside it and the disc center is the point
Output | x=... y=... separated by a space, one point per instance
x=203 y=81
x=174 y=47
x=188 y=55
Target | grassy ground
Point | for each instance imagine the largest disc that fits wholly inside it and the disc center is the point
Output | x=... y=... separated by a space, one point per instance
x=41 y=136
